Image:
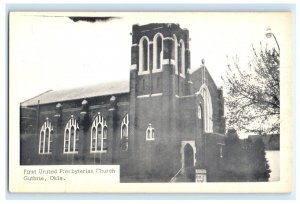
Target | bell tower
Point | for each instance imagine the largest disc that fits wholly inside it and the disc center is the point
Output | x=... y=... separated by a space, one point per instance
x=155 y=48
x=159 y=76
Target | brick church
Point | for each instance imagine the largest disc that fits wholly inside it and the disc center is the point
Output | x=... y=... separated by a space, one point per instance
x=163 y=125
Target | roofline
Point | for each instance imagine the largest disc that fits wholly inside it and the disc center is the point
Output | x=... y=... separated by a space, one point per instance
x=36 y=96
x=74 y=99
x=194 y=70
x=202 y=67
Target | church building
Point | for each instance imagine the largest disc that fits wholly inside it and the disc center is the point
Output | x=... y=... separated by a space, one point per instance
x=166 y=124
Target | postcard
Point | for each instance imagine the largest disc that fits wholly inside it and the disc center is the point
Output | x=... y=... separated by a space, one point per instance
x=154 y=102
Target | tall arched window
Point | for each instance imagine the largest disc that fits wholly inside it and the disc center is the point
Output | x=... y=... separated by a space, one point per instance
x=71 y=138
x=124 y=133
x=99 y=134
x=175 y=50
x=144 y=55
x=179 y=62
x=46 y=134
x=208 y=113
x=181 y=58
x=157 y=52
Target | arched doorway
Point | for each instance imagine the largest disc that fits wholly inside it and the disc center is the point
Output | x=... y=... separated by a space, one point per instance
x=188 y=156
x=189 y=162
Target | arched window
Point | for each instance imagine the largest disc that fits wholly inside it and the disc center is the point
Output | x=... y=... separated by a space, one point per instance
x=157 y=52
x=71 y=136
x=150 y=132
x=144 y=55
x=199 y=112
x=181 y=58
x=175 y=51
x=124 y=133
x=208 y=120
x=99 y=134
x=46 y=133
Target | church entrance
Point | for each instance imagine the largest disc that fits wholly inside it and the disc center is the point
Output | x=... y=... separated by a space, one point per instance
x=189 y=162
x=188 y=156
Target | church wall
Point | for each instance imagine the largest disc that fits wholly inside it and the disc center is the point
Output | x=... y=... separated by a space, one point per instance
x=28 y=132
x=213 y=155
x=84 y=156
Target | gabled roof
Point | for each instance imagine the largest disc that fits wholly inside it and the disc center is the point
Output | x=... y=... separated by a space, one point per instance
x=102 y=89
x=197 y=74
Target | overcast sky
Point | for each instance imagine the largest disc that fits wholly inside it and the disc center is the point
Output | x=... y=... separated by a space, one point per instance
x=50 y=51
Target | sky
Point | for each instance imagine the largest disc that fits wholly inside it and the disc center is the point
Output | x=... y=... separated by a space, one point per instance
x=51 y=51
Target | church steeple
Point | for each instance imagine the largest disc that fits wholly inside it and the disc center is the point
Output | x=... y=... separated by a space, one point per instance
x=155 y=48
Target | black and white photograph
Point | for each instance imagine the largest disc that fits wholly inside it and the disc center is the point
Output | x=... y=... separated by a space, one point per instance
x=143 y=99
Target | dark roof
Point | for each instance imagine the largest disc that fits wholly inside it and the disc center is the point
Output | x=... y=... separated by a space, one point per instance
x=79 y=93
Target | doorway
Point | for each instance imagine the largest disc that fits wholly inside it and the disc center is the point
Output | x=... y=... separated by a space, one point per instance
x=188 y=156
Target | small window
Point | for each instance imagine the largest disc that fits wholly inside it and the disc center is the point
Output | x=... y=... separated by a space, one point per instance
x=46 y=134
x=221 y=150
x=199 y=112
x=99 y=135
x=150 y=132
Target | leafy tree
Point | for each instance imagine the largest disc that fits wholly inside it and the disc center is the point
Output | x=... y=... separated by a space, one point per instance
x=253 y=98
x=244 y=160
x=258 y=164
x=235 y=161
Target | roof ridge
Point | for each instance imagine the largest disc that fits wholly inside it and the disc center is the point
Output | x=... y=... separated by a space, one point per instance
x=92 y=85
x=85 y=91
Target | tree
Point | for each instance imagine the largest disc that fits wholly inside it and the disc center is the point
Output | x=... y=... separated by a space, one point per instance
x=235 y=162
x=244 y=160
x=258 y=164
x=253 y=97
